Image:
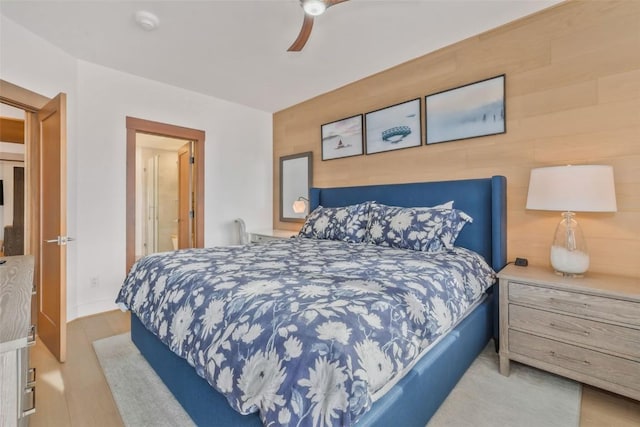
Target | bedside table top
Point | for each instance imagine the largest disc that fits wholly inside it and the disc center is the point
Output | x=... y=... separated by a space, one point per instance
x=595 y=283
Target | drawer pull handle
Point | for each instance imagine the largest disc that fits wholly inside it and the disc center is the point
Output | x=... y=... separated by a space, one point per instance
x=31 y=377
x=31 y=337
x=566 y=329
x=32 y=410
x=569 y=303
x=569 y=359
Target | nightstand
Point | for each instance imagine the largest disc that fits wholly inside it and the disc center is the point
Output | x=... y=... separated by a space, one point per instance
x=266 y=235
x=587 y=329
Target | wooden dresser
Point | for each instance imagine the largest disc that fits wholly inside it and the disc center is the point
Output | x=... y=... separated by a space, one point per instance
x=17 y=380
x=587 y=329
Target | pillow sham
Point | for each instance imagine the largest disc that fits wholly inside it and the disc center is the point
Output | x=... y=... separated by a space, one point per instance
x=347 y=223
x=452 y=226
x=447 y=205
x=421 y=229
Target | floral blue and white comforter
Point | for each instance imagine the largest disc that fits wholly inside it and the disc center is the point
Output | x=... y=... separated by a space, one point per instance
x=305 y=331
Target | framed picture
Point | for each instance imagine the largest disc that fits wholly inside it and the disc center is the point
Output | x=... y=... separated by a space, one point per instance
x=342 y=138
x=469 y=111
x=395 y=127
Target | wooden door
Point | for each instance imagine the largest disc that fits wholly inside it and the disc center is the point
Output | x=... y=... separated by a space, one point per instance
x=52 y=303
x=185 y=197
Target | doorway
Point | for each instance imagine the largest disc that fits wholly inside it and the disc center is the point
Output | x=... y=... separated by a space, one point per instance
x=165 y=188
x=164 y=197
x=45 y=236
x=12 y=180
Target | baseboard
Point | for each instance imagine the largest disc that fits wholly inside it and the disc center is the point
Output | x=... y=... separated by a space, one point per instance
x=91 y=308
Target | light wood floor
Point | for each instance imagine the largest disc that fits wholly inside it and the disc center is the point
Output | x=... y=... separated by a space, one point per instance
x=76 y=393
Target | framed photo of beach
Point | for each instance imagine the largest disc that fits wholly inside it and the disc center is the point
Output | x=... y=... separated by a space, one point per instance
x=395 y=127
x=476 y=109
x=342 y=138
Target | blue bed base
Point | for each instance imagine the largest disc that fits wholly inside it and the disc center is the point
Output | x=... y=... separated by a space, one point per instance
x=417 y=396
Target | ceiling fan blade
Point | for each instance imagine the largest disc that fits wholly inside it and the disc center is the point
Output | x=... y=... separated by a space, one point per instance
x=305 y=32
x=330 y=3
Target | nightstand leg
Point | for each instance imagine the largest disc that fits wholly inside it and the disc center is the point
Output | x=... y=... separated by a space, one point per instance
x=504 y=365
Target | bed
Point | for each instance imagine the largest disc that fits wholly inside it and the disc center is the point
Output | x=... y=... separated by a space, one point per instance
x=417 y=395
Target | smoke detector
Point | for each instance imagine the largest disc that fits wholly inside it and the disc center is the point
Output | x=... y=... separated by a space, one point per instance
x=146 y=20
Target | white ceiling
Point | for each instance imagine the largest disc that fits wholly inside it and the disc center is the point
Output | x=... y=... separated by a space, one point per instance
x=236 y=50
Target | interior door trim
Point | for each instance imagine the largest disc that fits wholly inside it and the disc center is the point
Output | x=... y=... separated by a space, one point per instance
x=135 y=125
x=20 y=97
x=30 y=102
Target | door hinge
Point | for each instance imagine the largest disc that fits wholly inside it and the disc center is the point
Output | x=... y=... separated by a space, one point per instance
x=192 y=160
x=192 y=214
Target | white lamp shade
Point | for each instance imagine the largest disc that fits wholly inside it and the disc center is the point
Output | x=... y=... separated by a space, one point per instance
x=584 y=188
x=299 y=206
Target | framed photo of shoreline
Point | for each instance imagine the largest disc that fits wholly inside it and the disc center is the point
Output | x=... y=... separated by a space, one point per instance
x=394 y=127
x=342 y=138
x=469 y=111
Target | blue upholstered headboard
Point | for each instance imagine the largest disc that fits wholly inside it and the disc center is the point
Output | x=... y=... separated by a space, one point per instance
x=484 y=199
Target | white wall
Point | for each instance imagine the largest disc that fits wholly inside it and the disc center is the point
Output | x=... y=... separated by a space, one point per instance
x=13 y=112
x=33 y=63
x=238 y=152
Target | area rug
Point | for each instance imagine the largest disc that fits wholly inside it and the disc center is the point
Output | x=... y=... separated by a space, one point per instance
x=483 y=397
x=528 y=397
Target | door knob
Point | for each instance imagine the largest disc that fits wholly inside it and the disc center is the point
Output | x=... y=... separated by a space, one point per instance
x=61 y=240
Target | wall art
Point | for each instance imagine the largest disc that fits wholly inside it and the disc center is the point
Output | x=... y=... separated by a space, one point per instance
x=394 y=127
x=476 y=109
x=342 y=138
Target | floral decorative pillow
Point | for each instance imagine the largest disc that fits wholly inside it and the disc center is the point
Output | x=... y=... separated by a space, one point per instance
x=421 y=229
x=447 y=205
x=348 y=223
x=453 y=225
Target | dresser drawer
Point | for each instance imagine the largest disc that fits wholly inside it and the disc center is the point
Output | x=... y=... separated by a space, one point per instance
x=596 y=307
x=605 y=367
x=618 y=339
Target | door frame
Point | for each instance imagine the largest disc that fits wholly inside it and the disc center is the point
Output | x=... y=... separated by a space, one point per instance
x=31 y=103
x=135 y=125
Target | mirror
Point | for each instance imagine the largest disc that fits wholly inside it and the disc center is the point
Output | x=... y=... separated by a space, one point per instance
x=295 y=182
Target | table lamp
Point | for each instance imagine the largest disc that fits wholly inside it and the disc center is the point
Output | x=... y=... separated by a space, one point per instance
x=569 y=189
x=300 y=205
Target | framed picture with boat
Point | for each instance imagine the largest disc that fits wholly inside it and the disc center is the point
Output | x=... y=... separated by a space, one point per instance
x=342 y=138
x=395 y=127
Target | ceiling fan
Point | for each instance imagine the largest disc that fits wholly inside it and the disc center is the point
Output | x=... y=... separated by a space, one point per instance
x=311 y=8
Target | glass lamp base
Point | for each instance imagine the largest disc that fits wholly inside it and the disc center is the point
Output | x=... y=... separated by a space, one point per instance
x=569 y=256
x=569 y=263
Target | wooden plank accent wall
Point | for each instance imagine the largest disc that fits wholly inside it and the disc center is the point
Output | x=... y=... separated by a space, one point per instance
x=572 y=97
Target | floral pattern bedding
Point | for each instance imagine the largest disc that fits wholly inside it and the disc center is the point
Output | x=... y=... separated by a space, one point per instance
x=305 y=331
x=346 y=223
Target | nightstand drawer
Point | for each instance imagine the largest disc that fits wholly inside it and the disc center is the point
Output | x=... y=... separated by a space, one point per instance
x=605 y=367
x=576 y=303
x=618 y=339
